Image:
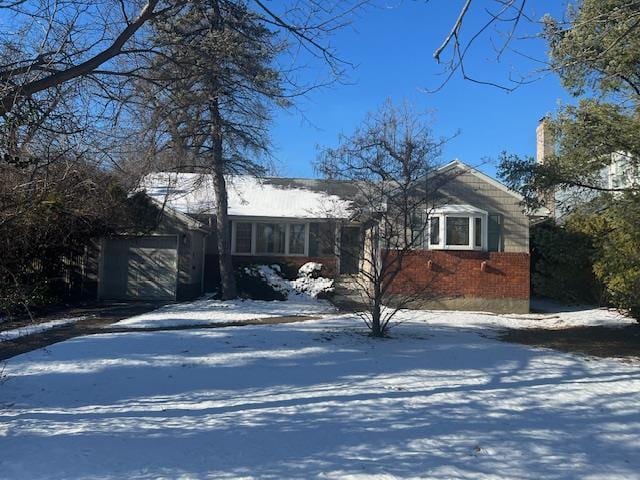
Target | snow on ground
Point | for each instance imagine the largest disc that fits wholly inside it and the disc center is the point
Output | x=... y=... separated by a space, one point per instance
x=318 y=399
x=568 y=319
x=36 y=328
x=300 y=294
x=208 y=312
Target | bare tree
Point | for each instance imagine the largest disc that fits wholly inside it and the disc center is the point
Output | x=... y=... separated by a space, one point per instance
x=392 y=159
x=587 y=35
x=501 y=23
x=53 y=43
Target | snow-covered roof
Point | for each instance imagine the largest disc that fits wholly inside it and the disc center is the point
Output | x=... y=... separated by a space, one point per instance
x=248 y=196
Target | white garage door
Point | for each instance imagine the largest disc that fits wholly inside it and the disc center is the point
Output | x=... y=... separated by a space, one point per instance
x=139 y=268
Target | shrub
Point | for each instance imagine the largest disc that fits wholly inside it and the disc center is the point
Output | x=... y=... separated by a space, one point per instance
x=253 y=284
x=562 y=264
x=615 y=233
x=311 y=282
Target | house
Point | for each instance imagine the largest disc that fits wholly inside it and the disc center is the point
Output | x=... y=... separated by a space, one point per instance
x=619 y=172
x=475 y=255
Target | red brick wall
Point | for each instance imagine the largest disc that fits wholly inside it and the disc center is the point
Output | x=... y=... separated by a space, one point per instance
x=460 y=274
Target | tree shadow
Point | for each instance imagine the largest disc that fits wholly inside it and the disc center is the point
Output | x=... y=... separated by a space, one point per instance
x=316 y=400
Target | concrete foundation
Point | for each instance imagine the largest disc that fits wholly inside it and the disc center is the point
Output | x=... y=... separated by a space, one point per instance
x=494 y=305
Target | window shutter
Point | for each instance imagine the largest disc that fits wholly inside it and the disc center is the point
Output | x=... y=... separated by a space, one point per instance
x=495 y=233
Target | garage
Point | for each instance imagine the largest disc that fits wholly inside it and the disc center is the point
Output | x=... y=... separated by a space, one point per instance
x=139 y=268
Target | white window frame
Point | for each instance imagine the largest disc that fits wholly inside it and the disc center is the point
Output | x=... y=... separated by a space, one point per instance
x=234 y=226
x=467 y=211
x=254 y=234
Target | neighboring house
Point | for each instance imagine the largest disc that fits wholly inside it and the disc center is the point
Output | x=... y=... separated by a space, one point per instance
x=474 y=256
x=620 y=173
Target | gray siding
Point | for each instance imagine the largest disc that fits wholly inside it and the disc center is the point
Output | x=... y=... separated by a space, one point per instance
x=119 y=260
x=467 y=188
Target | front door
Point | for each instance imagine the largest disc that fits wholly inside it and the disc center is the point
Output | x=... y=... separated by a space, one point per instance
x=350 y=246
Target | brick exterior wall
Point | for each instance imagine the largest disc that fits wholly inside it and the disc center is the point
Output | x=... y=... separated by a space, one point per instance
x=450 y=274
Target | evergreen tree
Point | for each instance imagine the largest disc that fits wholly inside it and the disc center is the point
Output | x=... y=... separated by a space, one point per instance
x=597 y=56
x=212 y=84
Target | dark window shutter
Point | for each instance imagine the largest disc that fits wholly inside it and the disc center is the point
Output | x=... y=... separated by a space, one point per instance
x=495 y=233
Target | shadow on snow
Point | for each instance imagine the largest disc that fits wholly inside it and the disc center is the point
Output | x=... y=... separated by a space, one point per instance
x=301 y=401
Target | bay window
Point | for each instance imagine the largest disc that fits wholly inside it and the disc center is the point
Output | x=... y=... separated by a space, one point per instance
x=457 y=227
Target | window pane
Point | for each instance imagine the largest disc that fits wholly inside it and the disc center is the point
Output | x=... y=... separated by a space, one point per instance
x=243 y=238
x=478 y=232
x=270 y=238
x=457 y=231
x=434 y=232
x=296 y=238
x=327 y=238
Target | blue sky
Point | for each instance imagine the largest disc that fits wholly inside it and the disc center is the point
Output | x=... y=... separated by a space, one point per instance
x=392 y=47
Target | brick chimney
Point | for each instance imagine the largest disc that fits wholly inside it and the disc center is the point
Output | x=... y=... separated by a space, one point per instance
x=544 y=149
x=544 y=140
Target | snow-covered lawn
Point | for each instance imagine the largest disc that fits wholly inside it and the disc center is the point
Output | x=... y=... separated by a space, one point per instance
x=300 y=293
x=208 y=312
x=37 y=328
x=320 y=399
x=576 y=318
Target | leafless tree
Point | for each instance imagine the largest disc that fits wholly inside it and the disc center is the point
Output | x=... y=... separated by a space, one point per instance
x=576 y=41
x=501 y=24
x=52 y=43
x=393 y=160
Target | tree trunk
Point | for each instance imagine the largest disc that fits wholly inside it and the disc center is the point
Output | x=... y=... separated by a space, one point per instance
x=376 y=313
x=227 y=277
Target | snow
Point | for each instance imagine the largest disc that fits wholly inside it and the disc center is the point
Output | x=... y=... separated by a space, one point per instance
x=320 y=399
x=310 y=282
x=303 y=286
x=483 y=320
x=271 y=275
x=309 y=269
x=312 y=286
x=210 y=312
x=301 y=301
x=248 y=196
x=7 y=335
